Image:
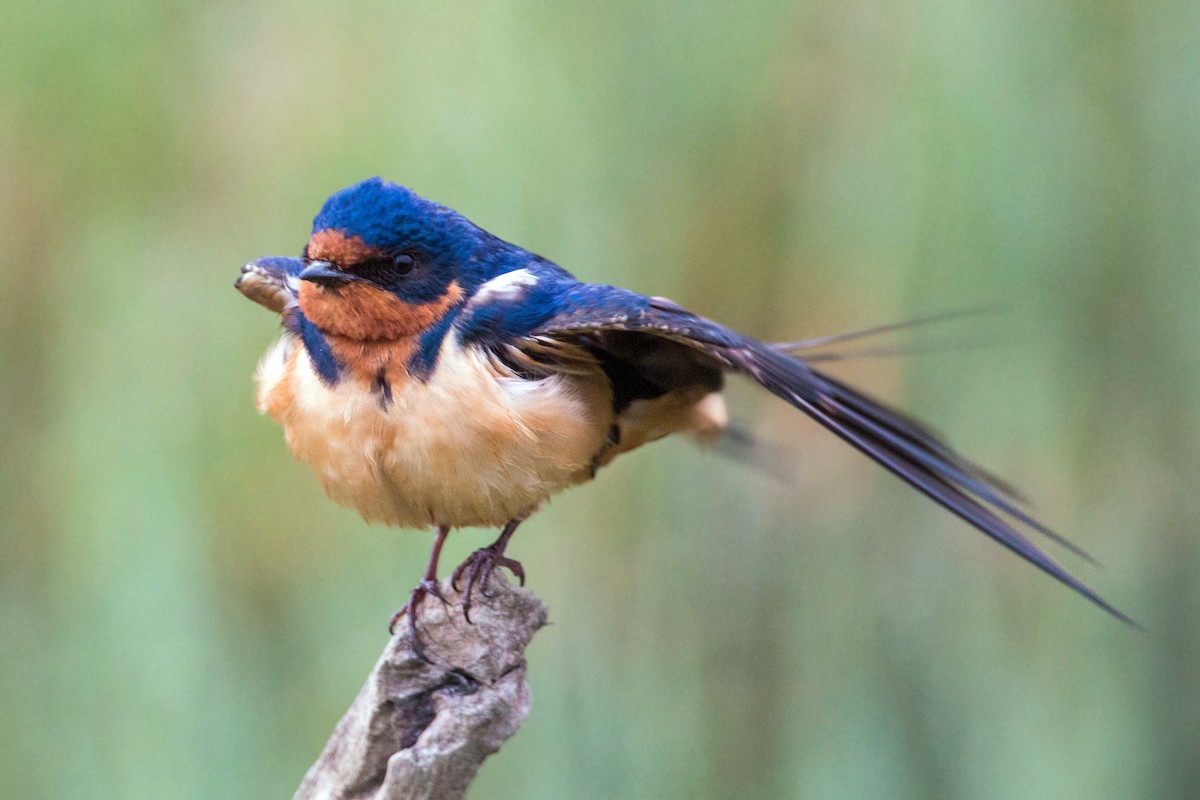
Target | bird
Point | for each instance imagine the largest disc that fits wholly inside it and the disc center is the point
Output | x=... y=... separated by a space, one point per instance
x=433 y=375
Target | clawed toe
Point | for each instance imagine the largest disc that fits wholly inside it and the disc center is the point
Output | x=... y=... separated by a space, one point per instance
x=422 y=590
x=513 y=566
x=478 y=569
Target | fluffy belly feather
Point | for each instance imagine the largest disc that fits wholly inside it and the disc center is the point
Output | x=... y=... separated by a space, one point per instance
x=474 y=445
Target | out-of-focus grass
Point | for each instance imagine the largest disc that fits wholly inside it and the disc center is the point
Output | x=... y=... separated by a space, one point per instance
x=184 y=615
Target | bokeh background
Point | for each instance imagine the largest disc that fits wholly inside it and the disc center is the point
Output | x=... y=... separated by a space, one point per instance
x=183 y=614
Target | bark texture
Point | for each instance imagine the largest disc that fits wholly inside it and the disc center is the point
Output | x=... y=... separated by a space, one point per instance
x=419 y=730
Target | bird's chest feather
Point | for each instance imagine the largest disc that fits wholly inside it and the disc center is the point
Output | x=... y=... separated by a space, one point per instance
x=472 y=444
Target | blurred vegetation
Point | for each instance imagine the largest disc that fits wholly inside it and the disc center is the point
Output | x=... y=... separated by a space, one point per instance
x=183 y=614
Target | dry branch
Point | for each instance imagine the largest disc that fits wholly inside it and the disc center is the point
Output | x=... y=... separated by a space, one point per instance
x=419 y=730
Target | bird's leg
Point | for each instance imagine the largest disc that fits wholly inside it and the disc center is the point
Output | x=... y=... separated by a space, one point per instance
x=427 y=586
x=479 y=566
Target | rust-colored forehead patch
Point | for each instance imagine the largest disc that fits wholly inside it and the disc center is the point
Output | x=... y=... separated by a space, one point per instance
x=340 y=248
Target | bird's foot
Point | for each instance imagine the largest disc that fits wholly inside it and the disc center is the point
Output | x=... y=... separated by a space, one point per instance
x=478 y=568
x=422 y=590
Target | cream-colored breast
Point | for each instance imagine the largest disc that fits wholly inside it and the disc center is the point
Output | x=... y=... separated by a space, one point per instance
x=472 y=445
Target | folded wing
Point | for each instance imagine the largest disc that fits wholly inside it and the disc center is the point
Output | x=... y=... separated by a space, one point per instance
x=898 y=443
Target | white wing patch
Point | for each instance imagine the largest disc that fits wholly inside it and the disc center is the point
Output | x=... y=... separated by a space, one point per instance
x=509 y=286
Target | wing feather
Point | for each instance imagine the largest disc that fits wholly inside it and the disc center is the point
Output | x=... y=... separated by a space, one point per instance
x=897 y=442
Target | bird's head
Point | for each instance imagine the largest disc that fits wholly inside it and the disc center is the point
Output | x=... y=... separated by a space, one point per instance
x=384 y=263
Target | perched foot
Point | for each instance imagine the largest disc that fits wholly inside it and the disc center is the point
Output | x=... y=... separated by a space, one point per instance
x=422 y=590
x=427 y=586
x=479 y=567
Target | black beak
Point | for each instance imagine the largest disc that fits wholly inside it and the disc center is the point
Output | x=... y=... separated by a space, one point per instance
x=324 y=273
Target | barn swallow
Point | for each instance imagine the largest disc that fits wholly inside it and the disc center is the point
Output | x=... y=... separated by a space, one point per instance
x=434 y=375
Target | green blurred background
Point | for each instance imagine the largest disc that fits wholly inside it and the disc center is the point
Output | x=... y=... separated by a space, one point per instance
x=183 y=614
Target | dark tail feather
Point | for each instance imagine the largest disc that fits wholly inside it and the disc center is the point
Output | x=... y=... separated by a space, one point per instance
x=911 y=452
x=895 y=351
x=795 y=348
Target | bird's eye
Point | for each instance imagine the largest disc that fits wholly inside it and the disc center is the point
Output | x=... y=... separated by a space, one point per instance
x=382 y=271
x=404 y=264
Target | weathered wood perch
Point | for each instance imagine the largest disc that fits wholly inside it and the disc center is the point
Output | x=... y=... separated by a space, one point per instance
x=420 y=731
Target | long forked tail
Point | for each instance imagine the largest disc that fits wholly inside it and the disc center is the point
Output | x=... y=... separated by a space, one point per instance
x=832 y=348
x=910 y=451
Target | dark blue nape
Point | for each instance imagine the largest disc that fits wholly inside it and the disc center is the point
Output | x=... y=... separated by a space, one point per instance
x=389 y=217
x=393 y=219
